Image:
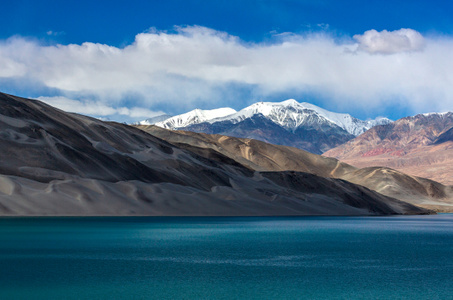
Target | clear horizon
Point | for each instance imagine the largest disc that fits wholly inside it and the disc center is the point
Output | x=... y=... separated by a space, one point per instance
x=128 y=62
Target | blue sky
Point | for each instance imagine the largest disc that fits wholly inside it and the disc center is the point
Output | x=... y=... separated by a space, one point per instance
x=125 y=60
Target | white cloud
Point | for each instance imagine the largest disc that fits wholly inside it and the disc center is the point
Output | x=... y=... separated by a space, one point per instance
x=96 y=108
x=197 y=65
x=390 y=42
x=55 y=33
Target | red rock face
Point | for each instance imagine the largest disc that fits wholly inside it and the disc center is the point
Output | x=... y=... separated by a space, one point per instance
x=421 y=145
x=400 y=152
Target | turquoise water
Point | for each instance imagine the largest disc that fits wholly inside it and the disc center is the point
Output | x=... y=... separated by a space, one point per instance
x=407 y=257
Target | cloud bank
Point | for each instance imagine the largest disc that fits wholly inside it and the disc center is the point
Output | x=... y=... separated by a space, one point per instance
x=390 y=42
x=196 y=65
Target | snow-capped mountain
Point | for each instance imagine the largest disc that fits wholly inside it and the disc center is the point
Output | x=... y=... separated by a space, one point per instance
x=289 y=114
x=195 y=116
x=302 y=125
x=352 y=125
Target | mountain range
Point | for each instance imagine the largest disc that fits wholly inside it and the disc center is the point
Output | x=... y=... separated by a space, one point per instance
x=421 y=145
x=59 y=163
x=301 y=125
x=418 y=145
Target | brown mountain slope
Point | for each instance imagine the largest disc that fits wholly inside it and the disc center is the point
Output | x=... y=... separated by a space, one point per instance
x=261 y=156
x=421 y=146
x=416 y=190
x=56 y=163
x=255 y=154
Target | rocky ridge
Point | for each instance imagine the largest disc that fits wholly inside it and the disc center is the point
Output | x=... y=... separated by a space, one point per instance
x=421 y=145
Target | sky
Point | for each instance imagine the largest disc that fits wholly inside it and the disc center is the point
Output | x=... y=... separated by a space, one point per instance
x=130 y=60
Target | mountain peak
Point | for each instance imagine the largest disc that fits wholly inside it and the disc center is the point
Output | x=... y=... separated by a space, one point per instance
x=290 y=102
x=194 y=117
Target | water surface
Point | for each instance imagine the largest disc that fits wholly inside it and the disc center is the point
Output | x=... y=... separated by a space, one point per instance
x=406 y=257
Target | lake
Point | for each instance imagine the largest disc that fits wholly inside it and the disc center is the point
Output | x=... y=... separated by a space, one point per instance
x=398 y=257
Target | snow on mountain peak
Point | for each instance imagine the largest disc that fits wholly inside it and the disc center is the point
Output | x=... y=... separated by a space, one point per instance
x=289 y=114
x=436 y=114
x=352 y=125
x=290 y=102
x=194 y=117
